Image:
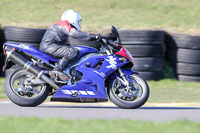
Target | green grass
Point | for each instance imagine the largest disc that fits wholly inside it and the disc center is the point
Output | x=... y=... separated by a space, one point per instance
x=2 y=93
x=169 y=90
x=163 y=91
x=52 y=125
x=172 y=15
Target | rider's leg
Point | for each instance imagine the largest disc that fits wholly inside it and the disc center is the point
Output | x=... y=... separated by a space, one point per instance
x=71 y=54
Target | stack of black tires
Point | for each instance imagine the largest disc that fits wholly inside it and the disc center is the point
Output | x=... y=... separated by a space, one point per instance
x=183 y=53
x=147 y=49
x=26 y=36
x=146 y=46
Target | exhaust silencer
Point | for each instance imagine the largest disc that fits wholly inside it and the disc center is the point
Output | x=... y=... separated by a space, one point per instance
x=24 y=63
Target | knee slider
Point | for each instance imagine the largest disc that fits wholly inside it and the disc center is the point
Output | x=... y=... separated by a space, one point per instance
x=73 y=53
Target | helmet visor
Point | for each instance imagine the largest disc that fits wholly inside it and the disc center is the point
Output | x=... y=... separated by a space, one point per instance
x=80 y=22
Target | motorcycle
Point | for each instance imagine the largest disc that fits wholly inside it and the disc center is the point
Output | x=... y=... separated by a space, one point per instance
x=94 y=77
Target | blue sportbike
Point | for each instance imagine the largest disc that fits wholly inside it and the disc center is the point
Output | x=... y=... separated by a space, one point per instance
x=96 y=76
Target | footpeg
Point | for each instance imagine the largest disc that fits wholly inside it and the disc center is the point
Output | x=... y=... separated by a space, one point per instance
x=58 y=75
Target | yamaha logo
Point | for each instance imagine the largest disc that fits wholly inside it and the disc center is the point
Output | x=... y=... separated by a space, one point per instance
x=112 y=61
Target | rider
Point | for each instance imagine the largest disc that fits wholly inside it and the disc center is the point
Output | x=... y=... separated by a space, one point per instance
x=56 y=35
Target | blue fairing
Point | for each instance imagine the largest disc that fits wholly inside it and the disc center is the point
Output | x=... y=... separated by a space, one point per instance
x=85 y=50
x=33 y=51
x=92 y=85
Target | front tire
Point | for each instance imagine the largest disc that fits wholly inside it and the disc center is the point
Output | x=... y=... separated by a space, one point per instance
x=22 y=95
x=129 y=98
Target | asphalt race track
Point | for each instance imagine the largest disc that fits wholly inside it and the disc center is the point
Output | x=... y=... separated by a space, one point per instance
x=101 y=111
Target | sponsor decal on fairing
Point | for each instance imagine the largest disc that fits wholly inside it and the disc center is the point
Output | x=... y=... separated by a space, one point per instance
x=112 y=61
x=70 y=92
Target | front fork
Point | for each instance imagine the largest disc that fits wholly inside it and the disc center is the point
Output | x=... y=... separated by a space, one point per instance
x=123 y=78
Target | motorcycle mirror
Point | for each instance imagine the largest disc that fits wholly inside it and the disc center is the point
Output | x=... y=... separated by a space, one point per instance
x=115 y=32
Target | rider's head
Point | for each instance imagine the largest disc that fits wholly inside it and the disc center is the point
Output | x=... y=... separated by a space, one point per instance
x=73 y=17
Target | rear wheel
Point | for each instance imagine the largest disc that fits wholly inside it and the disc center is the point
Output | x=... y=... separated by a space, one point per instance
x=21 y=90
x=129 y=97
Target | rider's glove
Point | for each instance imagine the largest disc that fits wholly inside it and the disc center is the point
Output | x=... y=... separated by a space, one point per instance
x=96 y=37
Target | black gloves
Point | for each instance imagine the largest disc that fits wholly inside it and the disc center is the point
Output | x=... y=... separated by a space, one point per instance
x=96 y=37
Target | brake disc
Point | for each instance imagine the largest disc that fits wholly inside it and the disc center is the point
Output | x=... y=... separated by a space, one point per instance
x=131 y=90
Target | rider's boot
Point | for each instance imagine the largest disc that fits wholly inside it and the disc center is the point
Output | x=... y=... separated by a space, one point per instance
x=58 y=70
x=72 y=54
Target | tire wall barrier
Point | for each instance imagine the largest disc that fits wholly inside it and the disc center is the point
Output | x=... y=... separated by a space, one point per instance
x=149 y=48
x=183 y=54
x=26 y=36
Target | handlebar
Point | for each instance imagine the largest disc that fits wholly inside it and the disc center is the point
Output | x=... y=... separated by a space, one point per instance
x=107 y=41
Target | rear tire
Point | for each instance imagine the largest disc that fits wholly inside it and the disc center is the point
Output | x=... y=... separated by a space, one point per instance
x=16 y=97
x=132 y=102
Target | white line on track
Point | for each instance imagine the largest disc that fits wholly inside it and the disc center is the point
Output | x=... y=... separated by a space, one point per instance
x=111 y=104
x=5 y=102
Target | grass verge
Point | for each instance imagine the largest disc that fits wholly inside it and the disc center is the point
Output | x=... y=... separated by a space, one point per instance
x=171 y=90
x=52 y=125
x=174 y=15
x=2 y=92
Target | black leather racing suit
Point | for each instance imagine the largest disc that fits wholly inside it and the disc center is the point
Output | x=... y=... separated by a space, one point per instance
x=55 y=38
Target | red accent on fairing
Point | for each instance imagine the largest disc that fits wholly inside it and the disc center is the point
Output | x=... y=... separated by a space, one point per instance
x=63 y=23
x=123 y=53
x=4 y=52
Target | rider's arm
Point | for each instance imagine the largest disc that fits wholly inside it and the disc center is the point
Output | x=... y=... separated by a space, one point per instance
x=79 y=34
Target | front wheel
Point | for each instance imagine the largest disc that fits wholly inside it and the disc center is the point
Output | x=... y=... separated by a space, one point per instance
x=129 y=97
x=21 y=91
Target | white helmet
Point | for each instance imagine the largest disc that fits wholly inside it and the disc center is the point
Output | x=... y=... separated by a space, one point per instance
x=73 y=17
